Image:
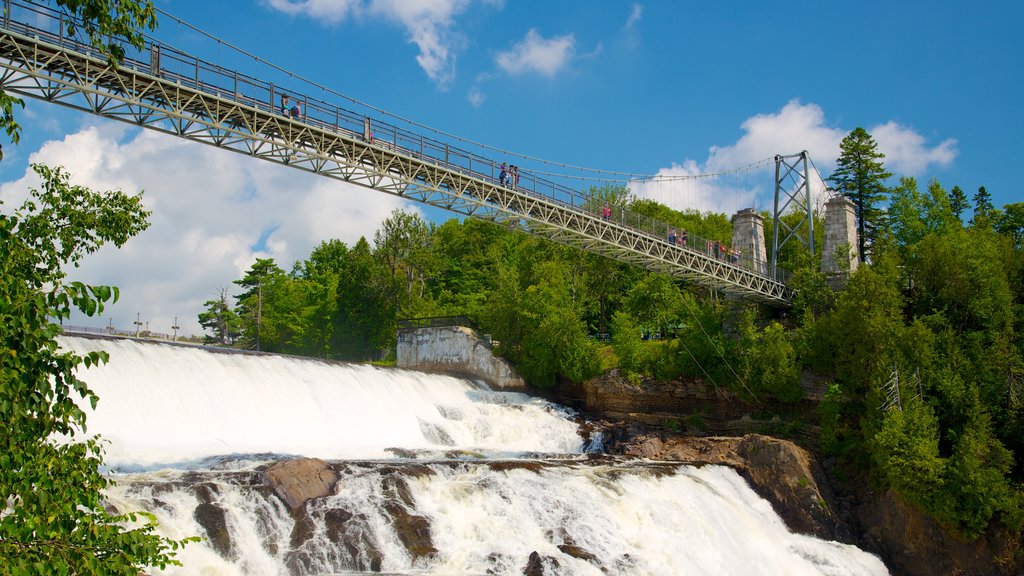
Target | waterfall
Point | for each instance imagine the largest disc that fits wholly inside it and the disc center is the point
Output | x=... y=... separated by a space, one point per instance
x=162 y=405
x=436 y=475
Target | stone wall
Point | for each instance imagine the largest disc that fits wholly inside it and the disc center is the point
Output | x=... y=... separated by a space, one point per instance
x=455 y=350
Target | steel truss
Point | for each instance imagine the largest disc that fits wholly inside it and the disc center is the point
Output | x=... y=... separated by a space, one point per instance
x=61 y=71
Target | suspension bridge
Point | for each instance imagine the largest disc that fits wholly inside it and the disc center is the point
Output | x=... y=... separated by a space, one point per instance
x=166 y=89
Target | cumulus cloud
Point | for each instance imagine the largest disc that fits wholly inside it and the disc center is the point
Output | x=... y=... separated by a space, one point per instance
x=906 y=152
x=214 y=213
x=534 y=53
x=429 y=24
x=794 y=128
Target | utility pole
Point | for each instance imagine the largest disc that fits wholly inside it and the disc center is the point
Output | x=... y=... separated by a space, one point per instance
x=259 y=314
x=175 y=328
x=138 y=323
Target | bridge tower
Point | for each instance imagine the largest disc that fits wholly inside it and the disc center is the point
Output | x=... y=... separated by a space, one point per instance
x=840 y=235
x=748 y=238
x=792 y=193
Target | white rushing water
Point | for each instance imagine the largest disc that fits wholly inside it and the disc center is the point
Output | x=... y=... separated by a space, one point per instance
x=499 y=482
x=163 y=405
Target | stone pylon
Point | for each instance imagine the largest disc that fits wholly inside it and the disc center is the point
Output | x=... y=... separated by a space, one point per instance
x=748 y=238
x=840 y=232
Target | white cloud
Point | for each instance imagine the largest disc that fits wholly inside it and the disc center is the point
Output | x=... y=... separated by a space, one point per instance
x=332 y=11
x=905 y=150
x=210 y=208
x=534 y=53
x=476 y=96
x=634 y=17
x=429 y=24
x=795 y=128
x=682 y=187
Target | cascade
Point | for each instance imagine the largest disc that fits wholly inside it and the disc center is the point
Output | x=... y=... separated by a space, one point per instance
x=435 y=475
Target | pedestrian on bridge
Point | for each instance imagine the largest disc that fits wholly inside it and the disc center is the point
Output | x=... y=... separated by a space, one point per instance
x=284 y=104
x=503 y=175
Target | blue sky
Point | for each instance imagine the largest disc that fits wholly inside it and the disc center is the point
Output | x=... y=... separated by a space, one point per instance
x=646 y=87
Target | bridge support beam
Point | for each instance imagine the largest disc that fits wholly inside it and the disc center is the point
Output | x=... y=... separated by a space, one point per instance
x=748 y=238
x=839 y=256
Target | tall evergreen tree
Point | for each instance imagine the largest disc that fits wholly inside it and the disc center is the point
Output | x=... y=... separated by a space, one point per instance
x=958 y=201
x=983 y=208
x=860 y=176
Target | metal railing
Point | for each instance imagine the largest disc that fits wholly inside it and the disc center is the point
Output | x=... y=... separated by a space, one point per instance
x=435 y=322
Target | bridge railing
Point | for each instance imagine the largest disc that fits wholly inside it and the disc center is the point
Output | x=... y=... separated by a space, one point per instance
x=162 y=60
x=435 y=322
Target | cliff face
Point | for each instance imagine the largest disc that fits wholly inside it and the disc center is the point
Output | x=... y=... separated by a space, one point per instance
x=791 y=478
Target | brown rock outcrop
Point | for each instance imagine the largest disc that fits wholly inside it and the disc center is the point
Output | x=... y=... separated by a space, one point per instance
x=296 y=481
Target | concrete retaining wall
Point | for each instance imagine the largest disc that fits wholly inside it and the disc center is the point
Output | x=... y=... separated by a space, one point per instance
x=455 y=350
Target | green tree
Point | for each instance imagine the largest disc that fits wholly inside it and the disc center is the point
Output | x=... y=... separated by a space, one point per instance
x=958 y=202
x=55 y=521
x=220 y=320
x=267 y=308
x=905 y=451
x=1011 y=224
x=317 y=279
x=403 y=245
x=983 y=208
x=365 y=319
x=769 y=361
x=860 y=176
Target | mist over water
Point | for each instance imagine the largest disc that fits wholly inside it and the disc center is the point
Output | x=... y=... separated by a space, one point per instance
x=488 y=482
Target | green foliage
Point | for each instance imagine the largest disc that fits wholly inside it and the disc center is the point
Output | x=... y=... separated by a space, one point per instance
x=829 y=418
x=769 y=361
x=860 y=176
x=905 y=451
x=55 y=521
x=626 y=342
x=107 y=22
x=539 y=326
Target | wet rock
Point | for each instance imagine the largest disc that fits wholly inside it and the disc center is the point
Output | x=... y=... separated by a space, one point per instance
x=303 y=529
x=577 y=552
x=335 y=520
x=213 y=519
x=412 y=530
x=296 y=481
x=536 y=564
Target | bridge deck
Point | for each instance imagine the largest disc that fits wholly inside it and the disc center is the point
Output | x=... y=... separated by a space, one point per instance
x=165 y=90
